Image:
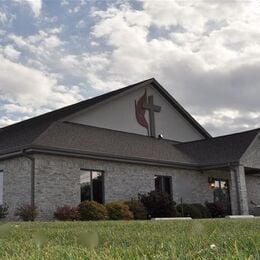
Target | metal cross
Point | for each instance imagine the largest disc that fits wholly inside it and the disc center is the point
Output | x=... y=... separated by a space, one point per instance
x=152 y=109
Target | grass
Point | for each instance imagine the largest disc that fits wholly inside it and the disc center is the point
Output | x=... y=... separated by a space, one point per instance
x=196 y=239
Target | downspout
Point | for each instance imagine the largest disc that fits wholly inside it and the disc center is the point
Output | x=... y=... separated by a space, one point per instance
x=32 y=159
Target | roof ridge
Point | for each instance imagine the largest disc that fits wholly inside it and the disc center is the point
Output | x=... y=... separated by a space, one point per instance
x=219 y=137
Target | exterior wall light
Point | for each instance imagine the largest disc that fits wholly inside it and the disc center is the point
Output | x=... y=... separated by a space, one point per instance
x=211 y=182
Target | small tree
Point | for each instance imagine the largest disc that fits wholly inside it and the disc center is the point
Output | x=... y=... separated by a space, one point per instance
x=158 y=204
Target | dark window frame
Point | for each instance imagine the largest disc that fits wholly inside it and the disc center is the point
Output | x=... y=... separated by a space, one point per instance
x=162 y=188
x=91 y=182
x=219 y=180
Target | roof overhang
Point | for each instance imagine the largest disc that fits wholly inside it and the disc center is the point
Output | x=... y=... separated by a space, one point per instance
x=111 y=157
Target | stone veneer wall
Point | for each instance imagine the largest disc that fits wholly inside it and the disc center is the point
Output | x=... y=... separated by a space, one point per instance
x=57 y=181
x=253 y=191
x=17 y=183
x=251 y=160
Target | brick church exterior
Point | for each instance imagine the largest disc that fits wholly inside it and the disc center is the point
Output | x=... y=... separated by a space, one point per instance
x=117 y=145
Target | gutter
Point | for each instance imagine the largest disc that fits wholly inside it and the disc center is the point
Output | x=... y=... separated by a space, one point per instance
x=109 y=157
x=32 y=159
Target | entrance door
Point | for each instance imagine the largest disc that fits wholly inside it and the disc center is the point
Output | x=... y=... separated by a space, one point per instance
x=221 y=194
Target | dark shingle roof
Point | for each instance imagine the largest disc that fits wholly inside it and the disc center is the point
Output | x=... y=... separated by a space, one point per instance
x=218 y=150
x=88 y=139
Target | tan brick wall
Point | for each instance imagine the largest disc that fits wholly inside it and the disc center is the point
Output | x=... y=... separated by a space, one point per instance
x=253 y=191
x=57 y=181
x=17 y=183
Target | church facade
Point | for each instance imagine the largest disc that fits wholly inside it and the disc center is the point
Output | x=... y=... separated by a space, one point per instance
x=117 y=145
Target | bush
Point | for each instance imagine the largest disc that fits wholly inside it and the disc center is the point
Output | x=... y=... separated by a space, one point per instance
x=26 y=212
x=195 y=210
x=205 y=213
x=3 y=211
x=158 y=204
x=216 y=209
x=92 y=210
x=188 y=210
x=66 y=213
x=138 y=209
x=118 y=210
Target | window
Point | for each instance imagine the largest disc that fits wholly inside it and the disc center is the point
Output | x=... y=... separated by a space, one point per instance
x=92 y=185
x=1 y=187
x=220 y=189
x=163 y=183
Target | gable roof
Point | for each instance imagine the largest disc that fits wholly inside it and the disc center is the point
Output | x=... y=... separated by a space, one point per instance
x=51 y=132
x=219 y=150
x=25 y=132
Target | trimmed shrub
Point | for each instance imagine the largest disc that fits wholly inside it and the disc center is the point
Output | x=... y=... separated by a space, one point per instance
x=119 y=211
x=216 y=209
x=195 y=210
x=138 y=209
x=26 y=212
x=66 y=213
x=188 y=210
x=204 y=211
x=92 y=210
x=3 y=210
x=158 y=204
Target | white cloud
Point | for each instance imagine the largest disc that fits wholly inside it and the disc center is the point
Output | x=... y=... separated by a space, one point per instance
x=3 y=17
x=41 y=46
x=35 y=5
x=30 y=90
x=6 y=18
x=10 y=52
x=80 y=24
x=52 y=42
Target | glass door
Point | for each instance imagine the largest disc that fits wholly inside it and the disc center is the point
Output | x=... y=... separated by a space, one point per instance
x=221 y=194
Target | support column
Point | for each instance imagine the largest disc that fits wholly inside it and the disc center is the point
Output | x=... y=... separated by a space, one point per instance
x=238 y=191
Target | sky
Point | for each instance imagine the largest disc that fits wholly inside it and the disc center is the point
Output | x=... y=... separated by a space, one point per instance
x=206 y=53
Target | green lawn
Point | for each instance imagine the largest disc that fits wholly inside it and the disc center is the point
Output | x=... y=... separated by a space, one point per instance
x=196 y=239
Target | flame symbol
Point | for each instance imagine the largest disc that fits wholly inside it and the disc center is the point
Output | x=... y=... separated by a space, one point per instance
x=140 y=110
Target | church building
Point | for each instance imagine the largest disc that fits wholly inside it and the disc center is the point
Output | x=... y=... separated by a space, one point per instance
x=129 y=141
